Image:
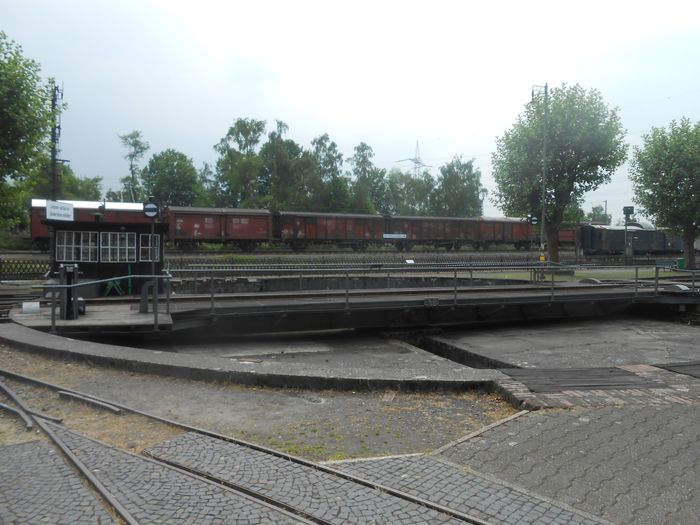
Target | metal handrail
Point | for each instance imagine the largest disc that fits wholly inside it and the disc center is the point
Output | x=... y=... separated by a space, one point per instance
x=55 y=288
x=537 y=273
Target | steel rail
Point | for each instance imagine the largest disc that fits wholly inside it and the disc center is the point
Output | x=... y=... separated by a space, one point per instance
x=105 y=493
x=276 y=453
x=90 y=401
x=87 y=474
x=20 y=414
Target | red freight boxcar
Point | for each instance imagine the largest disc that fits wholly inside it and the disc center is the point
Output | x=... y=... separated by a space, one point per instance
x=568 y=236
x=242 y=227
x=299 y=229
x=503 y=230
x=445 y=232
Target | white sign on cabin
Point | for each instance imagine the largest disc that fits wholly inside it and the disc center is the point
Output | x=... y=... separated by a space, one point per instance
x=59 y=211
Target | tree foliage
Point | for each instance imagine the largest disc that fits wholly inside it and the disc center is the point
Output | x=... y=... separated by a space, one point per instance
x=597 y=215
x=458 y=190
x=238 y=168
x=369 y=190
x=71 y=187
x=332 y=188
x=666 y=179
x=278 y=173
x=25 y=111
x=585 y=144
x=136 y=148
x=287 y=171
x=171 y=179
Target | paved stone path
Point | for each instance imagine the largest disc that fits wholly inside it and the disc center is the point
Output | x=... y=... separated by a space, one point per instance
x=154 y=493
x=37 y=487
x=632 y=464
x=322 y=495
x=454 y=487
x=673 y=388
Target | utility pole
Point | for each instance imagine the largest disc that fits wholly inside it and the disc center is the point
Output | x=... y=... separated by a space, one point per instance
x=545 y=88
x=56 y=97
x=56 y=93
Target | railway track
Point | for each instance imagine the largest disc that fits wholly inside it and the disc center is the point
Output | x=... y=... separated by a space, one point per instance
x=197 y=467
x=15 y=294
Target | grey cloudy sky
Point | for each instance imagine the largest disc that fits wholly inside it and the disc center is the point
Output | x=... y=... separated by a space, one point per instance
x=452 y=75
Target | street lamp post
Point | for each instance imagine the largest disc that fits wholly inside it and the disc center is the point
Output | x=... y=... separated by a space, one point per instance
x=545 y=89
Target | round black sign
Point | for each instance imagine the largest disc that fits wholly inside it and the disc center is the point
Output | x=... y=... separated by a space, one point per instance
x=150 y=210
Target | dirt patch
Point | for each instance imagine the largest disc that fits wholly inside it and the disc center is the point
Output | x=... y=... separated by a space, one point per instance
x=317 y=425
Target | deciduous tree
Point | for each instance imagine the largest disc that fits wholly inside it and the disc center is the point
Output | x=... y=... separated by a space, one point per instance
x=25 y=111
x=136 y=148
x=458 y=190
x=597 y=215
x=171 y=178
x=368 y=184
x=666 y=178
x=332 y=188
x=585 y=145
x=238 y=168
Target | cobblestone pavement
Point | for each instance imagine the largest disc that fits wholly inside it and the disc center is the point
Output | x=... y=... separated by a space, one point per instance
x=155 y=493
x=320 y=494
x=448 y=484
x=672 y=388
x=632 y=464
x=38 y=487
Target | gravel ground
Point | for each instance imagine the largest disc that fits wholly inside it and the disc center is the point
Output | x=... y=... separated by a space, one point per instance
x=317 y=425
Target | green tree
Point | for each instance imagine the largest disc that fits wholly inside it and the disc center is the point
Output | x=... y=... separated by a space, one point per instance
x=26 y=119
x=287 y=172
x=136 y=148
x=409 y=194
x=171 y=178
x=14 y=214
x=458 y=190
x=369 y=190
x=585 y=144
x=666 y=179
x=25 y=111
x=72 y=187
x=210 y=190
x=597 y=215
x=239 y=167
x=331 y=188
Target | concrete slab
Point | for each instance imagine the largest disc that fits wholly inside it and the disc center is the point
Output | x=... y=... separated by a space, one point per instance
x=356 y=372
x=332 y=351
x=98 y=317
x=583 y=343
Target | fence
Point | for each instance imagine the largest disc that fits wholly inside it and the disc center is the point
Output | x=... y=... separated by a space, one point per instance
x=22 y=269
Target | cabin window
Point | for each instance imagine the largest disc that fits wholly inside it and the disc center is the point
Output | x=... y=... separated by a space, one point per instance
x=117 y=247
x=74 y=246
x=150 y=247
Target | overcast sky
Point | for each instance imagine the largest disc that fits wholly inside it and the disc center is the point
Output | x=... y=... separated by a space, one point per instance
x=450 y=75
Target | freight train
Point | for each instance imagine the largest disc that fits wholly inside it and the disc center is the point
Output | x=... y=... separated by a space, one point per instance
x=598 y=239
x=189 y=227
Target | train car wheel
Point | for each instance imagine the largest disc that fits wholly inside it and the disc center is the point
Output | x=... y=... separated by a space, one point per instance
x=186 y=246
x=248 y=246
